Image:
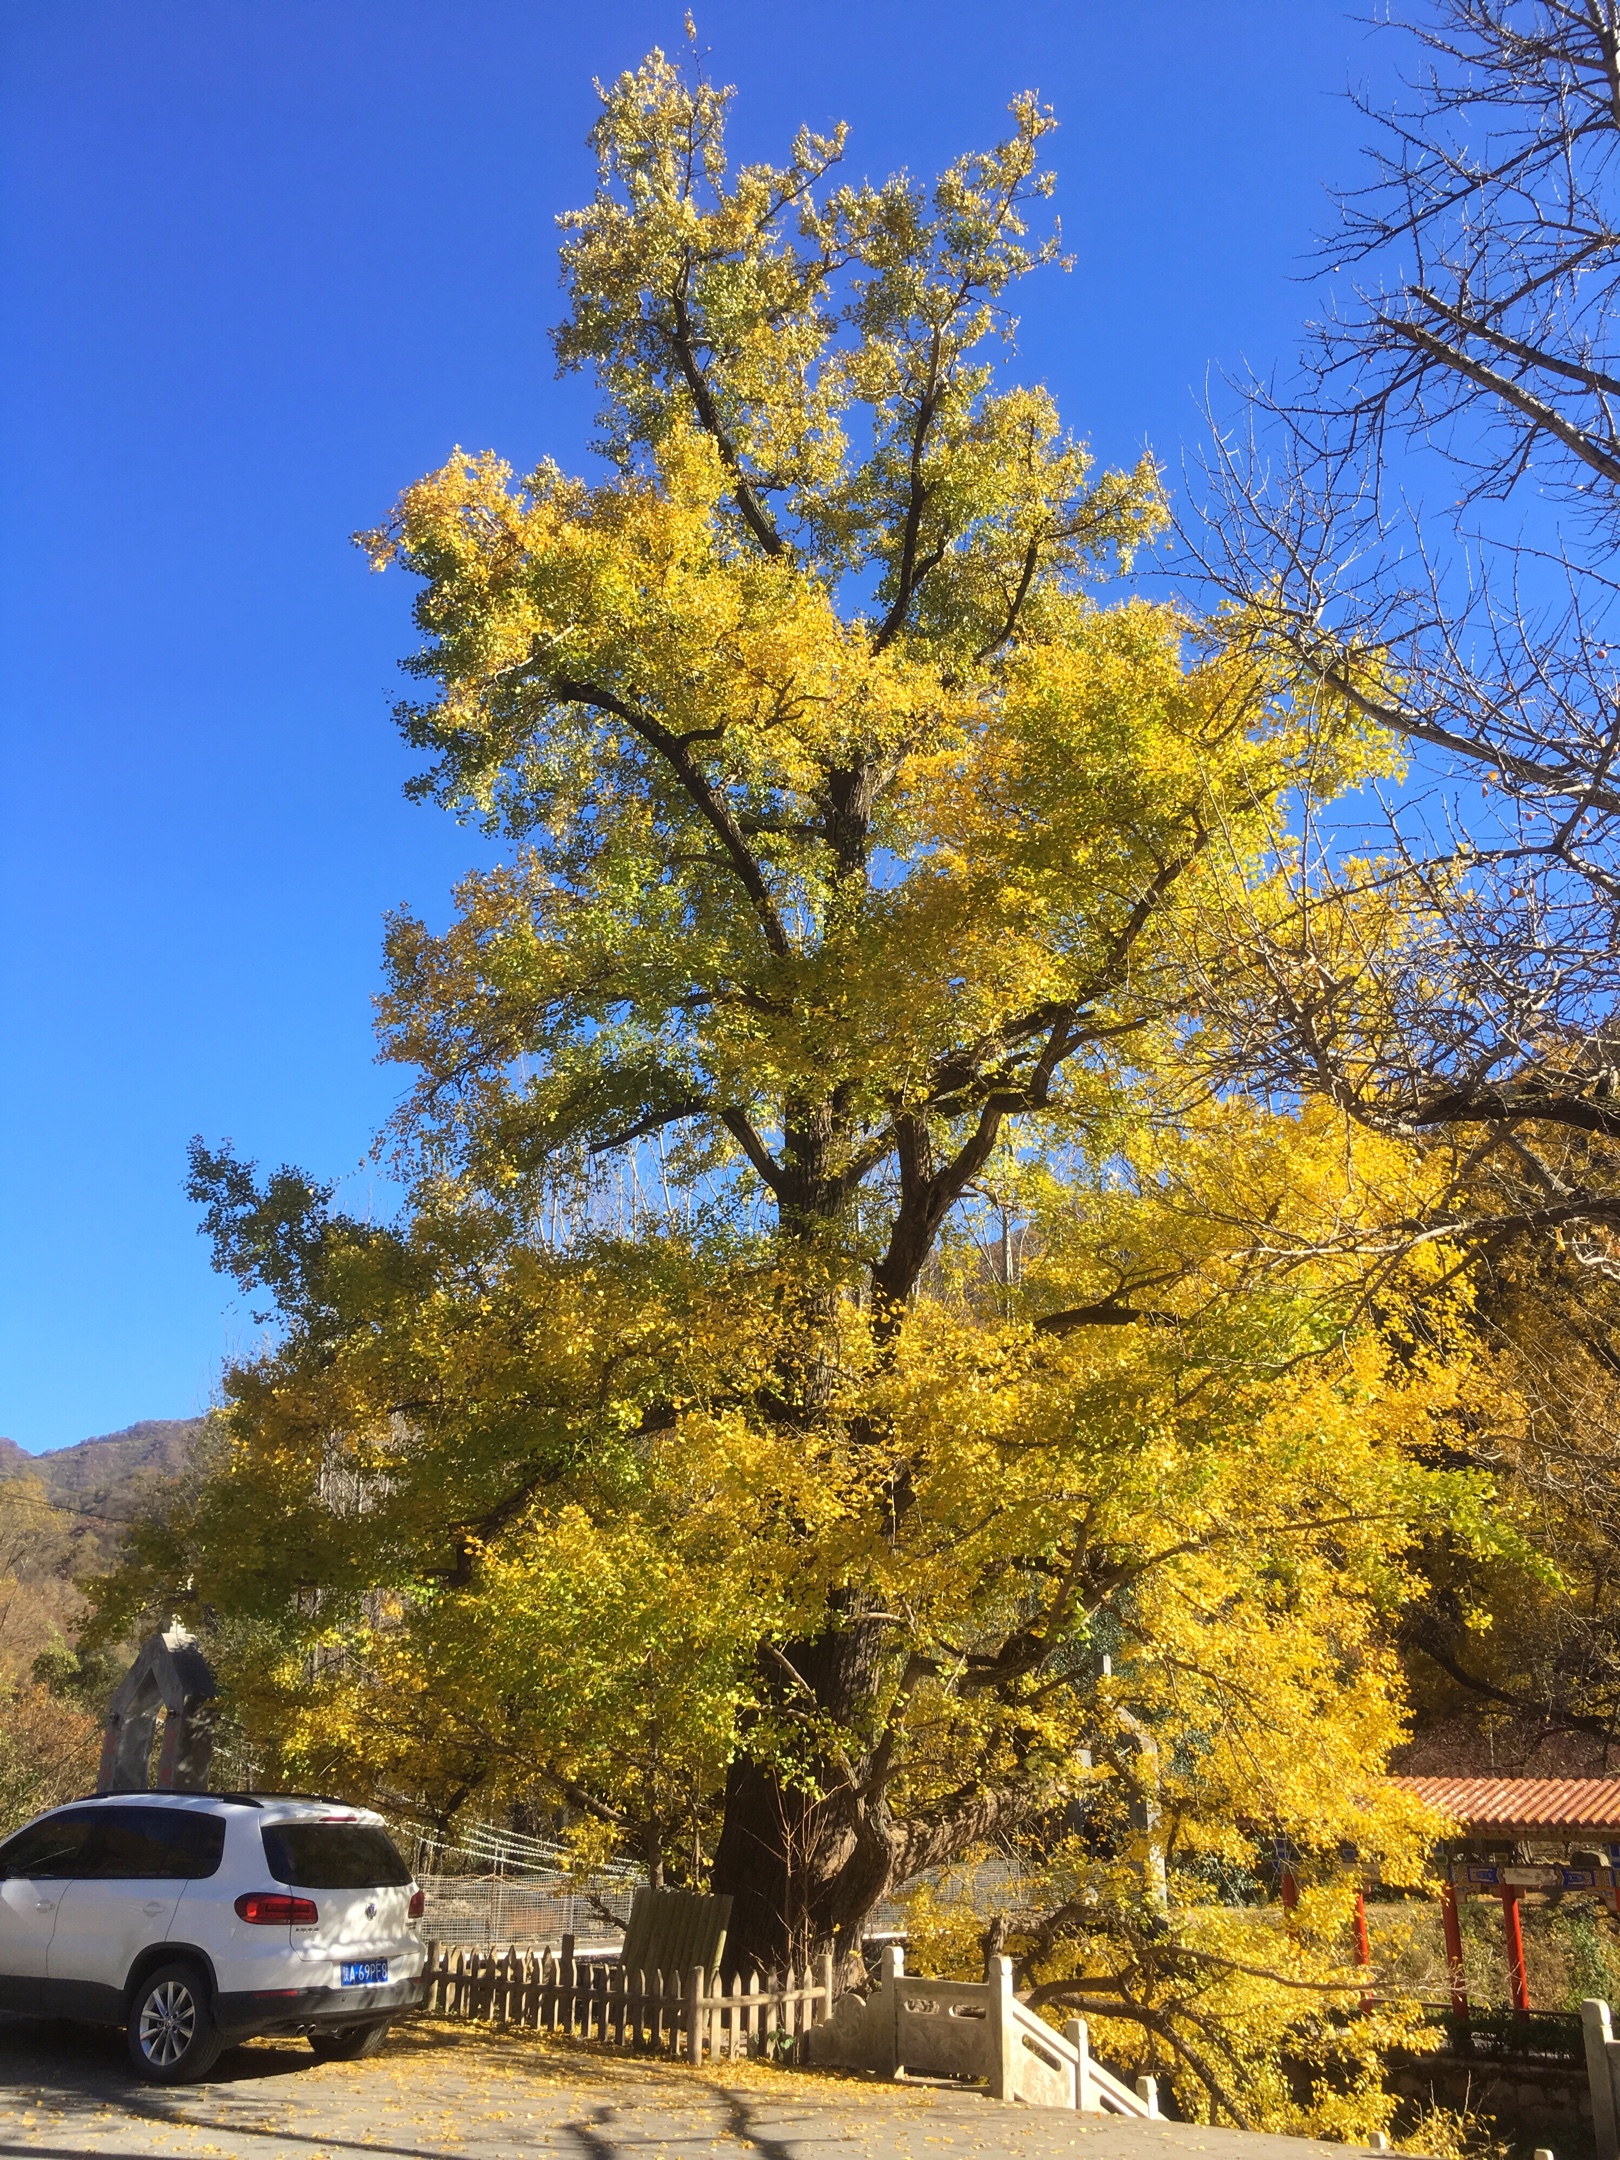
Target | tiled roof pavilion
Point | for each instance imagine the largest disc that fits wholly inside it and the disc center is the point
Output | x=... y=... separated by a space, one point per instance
x=1490 y=1812
x=1509 y=1807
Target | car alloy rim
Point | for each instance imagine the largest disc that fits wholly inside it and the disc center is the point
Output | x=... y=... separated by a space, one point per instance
x=168 y=2023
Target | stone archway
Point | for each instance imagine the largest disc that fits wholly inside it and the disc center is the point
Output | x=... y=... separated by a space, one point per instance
x=170 y=1676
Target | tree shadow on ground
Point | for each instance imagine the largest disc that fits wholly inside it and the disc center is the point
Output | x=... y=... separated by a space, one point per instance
x=65 y=2056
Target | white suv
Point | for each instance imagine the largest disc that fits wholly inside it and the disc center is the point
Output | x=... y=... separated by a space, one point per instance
x=197 y=1919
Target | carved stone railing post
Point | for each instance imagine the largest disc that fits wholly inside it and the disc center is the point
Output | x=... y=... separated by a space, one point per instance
x=894 y=1969
x=1003 y=2030
x=1078 y=2034
x=1601 y=2051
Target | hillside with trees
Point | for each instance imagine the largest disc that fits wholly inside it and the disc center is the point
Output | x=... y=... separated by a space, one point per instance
x=64 y=1516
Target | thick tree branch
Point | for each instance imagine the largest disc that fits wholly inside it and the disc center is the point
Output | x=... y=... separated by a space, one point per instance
x=965 y=1819
x=747 y=501
x=1533 y=356
x=706 y=798
x=1579 y=441
x=654 y=1121
x=1032 y=557
x=740 y=1126
x=907 y=574
x=1105 y=1312
x=1512 y=1106
x=578 y=1796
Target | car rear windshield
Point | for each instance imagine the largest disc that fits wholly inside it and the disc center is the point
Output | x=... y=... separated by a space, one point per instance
x=332 y=1856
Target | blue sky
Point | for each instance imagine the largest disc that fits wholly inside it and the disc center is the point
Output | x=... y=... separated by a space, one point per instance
x=264 y=263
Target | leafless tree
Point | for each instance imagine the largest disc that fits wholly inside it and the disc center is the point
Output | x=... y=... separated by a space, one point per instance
x=1422 y=523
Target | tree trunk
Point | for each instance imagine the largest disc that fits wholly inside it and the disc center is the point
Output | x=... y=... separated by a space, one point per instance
x=805 y=1862
x=803 y=1869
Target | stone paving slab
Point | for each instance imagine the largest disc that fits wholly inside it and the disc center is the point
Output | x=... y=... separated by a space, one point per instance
x=67 y=2093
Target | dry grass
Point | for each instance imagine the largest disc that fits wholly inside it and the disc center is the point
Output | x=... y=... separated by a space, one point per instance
x=1571 y=1950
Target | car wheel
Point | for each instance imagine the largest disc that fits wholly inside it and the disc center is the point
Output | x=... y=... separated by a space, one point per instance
x=350 y=2043
x=172 y=2035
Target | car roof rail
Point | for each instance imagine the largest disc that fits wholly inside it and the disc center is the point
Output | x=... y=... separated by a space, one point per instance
x=323 y=1799
x=241 y=1799
x=164 y=1793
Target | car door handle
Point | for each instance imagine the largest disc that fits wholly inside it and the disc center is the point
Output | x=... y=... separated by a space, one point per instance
x=153 y=1906
x=44 y=1904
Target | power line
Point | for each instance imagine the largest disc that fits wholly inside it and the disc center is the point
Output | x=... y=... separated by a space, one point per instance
x=61 y=1507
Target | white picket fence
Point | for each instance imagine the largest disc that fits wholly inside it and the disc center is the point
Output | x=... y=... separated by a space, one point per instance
x=693 y=2014
x=978 y=2029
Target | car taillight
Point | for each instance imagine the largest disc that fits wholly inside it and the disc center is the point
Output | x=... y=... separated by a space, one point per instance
x=418 y=1905
x=273 y=1908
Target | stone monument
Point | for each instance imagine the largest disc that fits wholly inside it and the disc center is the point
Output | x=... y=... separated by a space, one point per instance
x=170 y=1675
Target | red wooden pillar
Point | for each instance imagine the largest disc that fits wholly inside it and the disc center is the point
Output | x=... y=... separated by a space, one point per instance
x=1454 y=1949
x=1363 y=1946
x=1517 y=1989
x=1290 y=1891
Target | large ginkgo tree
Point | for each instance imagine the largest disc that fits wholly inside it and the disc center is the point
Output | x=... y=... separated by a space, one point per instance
x=788 y=1519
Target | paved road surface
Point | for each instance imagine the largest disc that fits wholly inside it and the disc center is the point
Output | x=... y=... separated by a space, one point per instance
x=66 y=2093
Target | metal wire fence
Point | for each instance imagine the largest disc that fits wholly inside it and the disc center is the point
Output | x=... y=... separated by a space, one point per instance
x=492 y=1885
x=528 y=1914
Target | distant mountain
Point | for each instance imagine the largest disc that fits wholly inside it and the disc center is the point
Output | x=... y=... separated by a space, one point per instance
x=113 y=1464
x=95 y=1489
x=158 y=1447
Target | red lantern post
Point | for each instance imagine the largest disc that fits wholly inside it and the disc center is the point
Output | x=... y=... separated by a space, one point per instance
x=1454 y=1949
x=1517 y=1986
x=1363 y=1946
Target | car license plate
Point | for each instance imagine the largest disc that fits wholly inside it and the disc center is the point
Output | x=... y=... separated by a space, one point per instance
x=372 y=1972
